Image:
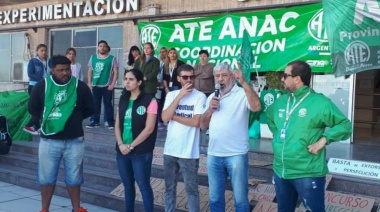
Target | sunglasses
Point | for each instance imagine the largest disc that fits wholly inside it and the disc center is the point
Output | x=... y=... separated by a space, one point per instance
x=285 y=75
x=186 y=77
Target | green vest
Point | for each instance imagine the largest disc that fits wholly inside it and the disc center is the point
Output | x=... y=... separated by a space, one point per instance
x=101 y=70
x=60 y=102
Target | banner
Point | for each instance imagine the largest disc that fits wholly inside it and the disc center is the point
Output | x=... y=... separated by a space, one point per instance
x=277 y=37
x=353 y=28
x=14 y=106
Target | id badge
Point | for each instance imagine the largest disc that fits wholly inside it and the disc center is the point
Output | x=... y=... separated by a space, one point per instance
x=283 y=132
x=170 y=84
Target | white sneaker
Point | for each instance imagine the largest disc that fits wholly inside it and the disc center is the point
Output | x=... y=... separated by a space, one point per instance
x=106 y=124
x=207 y=132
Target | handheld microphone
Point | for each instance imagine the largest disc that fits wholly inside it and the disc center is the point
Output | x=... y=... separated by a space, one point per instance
x=217 y=88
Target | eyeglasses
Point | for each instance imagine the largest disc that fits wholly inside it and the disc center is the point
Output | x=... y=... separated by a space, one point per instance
x=186 y=77
x=285 y=75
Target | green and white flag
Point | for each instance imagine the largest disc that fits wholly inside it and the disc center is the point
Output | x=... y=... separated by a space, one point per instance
x=353 y=28
x=246 y=57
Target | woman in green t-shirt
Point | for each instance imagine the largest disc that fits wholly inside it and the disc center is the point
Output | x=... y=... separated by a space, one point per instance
x=136 y=132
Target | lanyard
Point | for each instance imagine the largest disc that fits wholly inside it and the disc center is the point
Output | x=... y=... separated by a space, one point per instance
x=288 y=113
x=171 y=69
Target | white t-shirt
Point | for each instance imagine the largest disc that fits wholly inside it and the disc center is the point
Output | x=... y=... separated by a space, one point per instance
x=228 y=129
x=182 y=141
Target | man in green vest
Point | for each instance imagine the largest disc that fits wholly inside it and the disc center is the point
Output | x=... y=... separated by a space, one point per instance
x=102 y=76
x=63 y=102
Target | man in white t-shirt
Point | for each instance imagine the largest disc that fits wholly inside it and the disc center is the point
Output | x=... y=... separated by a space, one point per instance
x=227 y=115
x=183 y=109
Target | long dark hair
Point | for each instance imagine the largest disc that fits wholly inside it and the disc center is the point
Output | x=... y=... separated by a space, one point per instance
x=139 y=77
x=131 y=59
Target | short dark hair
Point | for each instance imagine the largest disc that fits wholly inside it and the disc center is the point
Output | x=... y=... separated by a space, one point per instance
x=59 y=60
x=184 y=67
x=203 y=52
x=302 y=69
x=102 y=41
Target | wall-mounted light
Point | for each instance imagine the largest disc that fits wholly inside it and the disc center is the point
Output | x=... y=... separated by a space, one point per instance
x=153 y=9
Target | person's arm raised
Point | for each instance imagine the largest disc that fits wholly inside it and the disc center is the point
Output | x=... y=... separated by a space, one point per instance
x=253 y=99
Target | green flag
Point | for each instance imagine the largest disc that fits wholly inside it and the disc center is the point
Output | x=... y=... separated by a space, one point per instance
x=353 y=29
x=14 y=106
x=246 y=57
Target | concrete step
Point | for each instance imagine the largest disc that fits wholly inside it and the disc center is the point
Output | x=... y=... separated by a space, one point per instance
x=100 y=167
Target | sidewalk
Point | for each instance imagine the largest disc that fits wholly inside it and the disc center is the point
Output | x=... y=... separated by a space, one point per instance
x=14 y=198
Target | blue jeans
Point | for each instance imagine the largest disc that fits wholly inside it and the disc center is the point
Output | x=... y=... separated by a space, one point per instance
x=219 y=168
x=136 y=168
x=50 y=153
x=98 y=93
x=310 y=189
x=189 y=170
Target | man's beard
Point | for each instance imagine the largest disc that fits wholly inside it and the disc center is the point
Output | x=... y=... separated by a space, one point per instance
x=226 y=89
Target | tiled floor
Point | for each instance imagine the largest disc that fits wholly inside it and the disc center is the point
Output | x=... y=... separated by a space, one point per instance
x=14 y=198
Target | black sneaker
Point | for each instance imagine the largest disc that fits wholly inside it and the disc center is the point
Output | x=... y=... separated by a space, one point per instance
x=92 y=125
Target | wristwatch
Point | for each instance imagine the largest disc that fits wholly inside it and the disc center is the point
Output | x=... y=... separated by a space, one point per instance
x=130 y=147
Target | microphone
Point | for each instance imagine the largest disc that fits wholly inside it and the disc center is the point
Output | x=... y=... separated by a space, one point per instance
x=217 y=88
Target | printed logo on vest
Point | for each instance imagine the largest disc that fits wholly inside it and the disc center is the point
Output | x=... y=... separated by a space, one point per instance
x=60 y=97
x=141 y=110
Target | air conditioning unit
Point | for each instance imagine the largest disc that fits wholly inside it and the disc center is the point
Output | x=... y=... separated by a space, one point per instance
x=20 y=72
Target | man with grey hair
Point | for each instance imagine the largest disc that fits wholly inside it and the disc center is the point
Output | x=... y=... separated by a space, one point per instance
x=227 y=115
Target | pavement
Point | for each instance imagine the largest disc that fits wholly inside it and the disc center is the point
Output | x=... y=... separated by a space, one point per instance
x=14 y=198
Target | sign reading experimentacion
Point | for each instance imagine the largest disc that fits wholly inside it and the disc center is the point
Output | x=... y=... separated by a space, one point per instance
x=68 y=10
x=355 y=168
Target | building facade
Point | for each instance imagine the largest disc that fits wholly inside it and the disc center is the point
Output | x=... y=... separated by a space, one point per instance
x=61 y=24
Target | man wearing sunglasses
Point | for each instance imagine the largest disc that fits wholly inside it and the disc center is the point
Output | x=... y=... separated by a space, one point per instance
x=298 y=121
x=183 y=109
x=227 y=115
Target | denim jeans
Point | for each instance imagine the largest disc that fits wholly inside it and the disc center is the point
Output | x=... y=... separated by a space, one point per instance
x=189 y=170
x=310 y=189
x=219 y=168
x=136 y=168
x=50 y=153
x=98 y=93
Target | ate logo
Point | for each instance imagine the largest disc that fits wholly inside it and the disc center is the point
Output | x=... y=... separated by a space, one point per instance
x=357 y=52
x=141 y=110
x=150 y=33
x=268 y=99
x=316 y=27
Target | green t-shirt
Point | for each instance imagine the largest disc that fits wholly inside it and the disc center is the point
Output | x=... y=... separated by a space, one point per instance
x=127 y=133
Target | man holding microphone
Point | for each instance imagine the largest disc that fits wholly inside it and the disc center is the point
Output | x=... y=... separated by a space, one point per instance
x=227 y=118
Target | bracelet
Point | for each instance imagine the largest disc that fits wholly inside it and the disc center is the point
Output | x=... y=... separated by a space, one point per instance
x=130 y=147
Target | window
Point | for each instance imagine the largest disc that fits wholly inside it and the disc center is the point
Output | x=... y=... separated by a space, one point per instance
x=14 y=56
x=85 y=42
